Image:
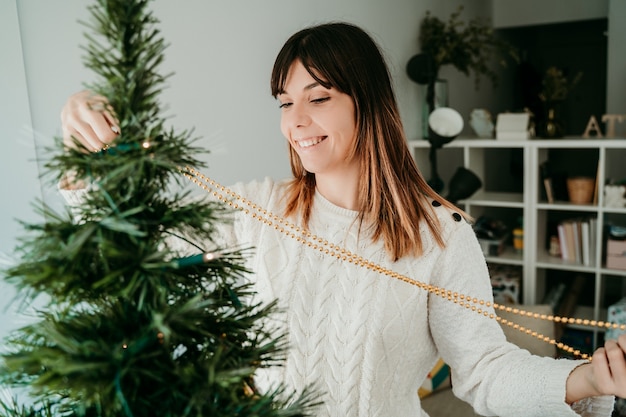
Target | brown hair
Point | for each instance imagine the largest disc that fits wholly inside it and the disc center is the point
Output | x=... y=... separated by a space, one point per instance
x=393 y=194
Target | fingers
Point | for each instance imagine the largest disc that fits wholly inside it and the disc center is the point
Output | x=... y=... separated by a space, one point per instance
x=99 y=114
x=87 y=119
x=80 y=129
x=601 y=371
x=609 y=367
x=615 y=351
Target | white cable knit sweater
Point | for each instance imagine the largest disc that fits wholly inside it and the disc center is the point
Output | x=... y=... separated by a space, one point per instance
x=366 y=341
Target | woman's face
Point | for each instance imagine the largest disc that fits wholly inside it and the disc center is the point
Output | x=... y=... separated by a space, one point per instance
x=319 y=123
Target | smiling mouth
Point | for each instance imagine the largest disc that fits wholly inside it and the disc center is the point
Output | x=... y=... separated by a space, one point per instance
x=307 y=143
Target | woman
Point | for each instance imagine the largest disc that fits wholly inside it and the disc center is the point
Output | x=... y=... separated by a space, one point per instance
x=364 y=339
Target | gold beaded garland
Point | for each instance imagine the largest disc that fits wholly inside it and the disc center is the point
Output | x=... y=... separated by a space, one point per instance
x=317 y=243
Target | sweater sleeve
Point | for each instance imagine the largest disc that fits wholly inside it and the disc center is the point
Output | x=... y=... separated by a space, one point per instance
x=73 y=197
x=494 y=376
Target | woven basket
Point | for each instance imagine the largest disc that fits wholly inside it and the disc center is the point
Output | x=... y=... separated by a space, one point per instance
x=580 y=189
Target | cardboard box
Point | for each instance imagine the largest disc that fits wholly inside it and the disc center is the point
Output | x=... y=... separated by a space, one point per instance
x=512 y=126
x=616 y=247
x=616 y=262
x=616 y=314
x=616 y=254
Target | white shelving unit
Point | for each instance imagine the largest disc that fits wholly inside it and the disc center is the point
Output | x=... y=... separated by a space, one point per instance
x=521 y=195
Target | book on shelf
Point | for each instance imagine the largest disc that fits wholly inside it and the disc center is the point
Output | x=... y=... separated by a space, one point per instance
x=577 y=240
x=593 y=240
x=546 y=177
x=567 y=306
x=563 y=298
x=547 y=183
x=563 y=242
x=596 y=187
x=589 y=229
x=568 y=246
x=584 y=238
x=554 y=296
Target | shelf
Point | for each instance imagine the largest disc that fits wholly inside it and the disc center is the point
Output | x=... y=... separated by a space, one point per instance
x=513 y=165
x=580 y=143
x=568 y=142
x=545 y=260
x=566 y=206
x=472 y=143
x=613 y=210
x=495 y=199
x=618 y=272
x=508 y=257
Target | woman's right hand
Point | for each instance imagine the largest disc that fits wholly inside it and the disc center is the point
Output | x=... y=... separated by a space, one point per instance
x=88 y=119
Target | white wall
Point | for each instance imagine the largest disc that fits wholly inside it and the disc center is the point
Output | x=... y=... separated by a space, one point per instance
x=19 y=184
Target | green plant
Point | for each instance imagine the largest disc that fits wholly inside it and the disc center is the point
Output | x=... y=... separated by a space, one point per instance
x=468 y=47
x=556 y=85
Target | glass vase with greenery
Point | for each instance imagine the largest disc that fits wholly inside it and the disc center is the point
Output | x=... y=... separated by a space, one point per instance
x=555 y=87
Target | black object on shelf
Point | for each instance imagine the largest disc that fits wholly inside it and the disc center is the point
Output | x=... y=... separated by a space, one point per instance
x=444 y=124
x=463 y=184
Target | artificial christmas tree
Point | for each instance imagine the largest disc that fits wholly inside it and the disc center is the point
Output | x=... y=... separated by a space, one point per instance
x=132 y=326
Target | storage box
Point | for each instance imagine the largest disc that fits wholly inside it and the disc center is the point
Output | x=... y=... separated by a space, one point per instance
x=615 y=195
x=616 y=254
x=513 y=126
x=616 y=262
x=616 y=314
x=506 y=283
x=616 y=247
x=492 y=247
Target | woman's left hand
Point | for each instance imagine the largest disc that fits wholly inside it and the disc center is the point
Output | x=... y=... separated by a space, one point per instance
x=605 y=375
x=609 y=368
